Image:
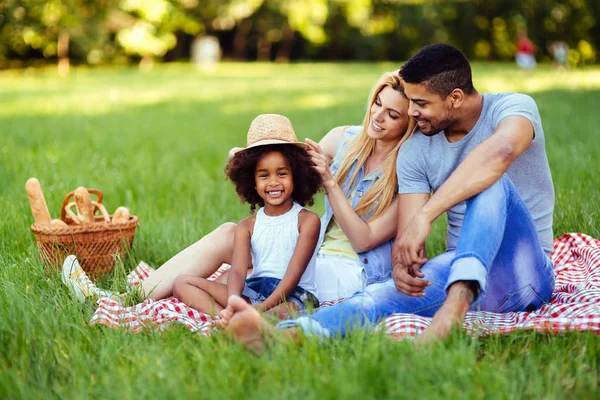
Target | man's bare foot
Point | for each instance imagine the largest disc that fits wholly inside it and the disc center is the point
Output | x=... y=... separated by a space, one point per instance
x=441 y=325
x=452 y=312
x=246 y=324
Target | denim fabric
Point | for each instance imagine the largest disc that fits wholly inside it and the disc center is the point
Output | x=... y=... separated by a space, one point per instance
x=498 y=247
x=257 y=290
x=377 y=261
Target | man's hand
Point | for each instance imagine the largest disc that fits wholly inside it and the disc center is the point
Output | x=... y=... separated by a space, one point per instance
x=408 y=255
x=409 y=249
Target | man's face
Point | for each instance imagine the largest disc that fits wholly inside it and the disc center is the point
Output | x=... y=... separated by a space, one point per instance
x=433 y=114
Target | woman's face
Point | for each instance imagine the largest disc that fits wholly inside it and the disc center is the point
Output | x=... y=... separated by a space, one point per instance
x=388 y=116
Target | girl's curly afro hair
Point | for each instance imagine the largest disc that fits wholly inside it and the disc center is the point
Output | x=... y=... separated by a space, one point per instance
x=240 y=170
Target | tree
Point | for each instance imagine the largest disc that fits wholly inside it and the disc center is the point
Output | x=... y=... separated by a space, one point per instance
x=152 y=33
x=52 y=29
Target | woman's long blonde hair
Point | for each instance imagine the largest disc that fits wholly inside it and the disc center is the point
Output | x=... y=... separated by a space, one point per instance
x=382 y=192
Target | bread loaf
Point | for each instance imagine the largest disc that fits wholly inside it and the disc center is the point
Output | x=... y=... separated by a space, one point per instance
x=58 y=223
x=39 y=209
x=83 y=202
x=121 y=215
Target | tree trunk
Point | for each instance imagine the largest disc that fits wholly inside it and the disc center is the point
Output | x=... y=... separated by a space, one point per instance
x=146 y=63
x=263 y=49
x=62 y=51
x=285 y=46
x=240 y=40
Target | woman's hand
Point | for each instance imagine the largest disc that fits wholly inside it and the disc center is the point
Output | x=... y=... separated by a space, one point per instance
x=321 y=162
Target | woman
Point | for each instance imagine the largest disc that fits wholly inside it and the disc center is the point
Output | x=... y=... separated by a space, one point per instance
x=357 y=168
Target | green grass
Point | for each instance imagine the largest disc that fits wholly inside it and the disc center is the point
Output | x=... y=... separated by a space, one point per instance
x=157 y=142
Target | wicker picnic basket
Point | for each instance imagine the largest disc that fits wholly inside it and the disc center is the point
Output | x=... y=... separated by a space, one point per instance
x=95 y=244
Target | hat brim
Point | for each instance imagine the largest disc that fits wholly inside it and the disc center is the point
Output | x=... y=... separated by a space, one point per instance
x=274 y=141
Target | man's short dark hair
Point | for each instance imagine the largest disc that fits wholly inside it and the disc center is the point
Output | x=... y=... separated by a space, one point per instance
x=441 y=68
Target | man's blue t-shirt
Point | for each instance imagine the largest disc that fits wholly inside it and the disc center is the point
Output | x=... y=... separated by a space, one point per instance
x=424 y=163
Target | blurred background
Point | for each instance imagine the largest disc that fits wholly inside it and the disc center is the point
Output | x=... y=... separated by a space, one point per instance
x=100 y=32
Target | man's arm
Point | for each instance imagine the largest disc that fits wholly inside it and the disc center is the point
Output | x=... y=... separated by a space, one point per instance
x=483 y=166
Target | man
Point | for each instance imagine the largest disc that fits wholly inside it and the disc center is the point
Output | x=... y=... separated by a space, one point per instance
x=483 y=157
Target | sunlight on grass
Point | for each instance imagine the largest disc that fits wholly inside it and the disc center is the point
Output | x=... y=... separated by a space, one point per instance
x=532 y=82
x=302 y=102
x=181 y=82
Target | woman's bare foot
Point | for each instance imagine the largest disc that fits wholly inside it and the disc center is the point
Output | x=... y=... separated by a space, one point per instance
x=246 y=324
x=451 y=313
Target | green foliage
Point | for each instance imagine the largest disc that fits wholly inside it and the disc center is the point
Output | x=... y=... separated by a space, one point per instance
x=308 y=18
x=385 y=29
x=157 y=142
x=31 y=28
x=116 y=30
x=152 y=33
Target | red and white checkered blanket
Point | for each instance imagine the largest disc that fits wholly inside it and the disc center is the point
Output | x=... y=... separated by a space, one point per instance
x=575 y=304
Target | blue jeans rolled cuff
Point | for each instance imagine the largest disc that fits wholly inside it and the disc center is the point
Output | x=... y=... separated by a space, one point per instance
x=468 y=268
x=308 y=325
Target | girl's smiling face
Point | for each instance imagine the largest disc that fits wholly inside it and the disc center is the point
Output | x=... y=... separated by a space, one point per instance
x=274 y=182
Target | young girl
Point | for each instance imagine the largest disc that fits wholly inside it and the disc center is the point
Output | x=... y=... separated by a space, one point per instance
x=274 y=172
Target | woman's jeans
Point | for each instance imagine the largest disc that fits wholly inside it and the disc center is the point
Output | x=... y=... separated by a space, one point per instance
x=498 y=247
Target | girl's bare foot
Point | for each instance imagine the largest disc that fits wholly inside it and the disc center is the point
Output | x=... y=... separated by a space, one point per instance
x=226 y=315
x=246 y=324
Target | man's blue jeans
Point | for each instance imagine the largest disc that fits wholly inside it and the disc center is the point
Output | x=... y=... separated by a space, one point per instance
x=498 y=247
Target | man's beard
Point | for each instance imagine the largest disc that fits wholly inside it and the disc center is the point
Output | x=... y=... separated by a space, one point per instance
x=439 y=126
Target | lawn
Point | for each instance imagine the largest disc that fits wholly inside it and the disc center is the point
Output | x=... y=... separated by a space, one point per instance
x=157 y=142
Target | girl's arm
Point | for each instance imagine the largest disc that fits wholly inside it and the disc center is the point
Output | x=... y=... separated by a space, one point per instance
x=308 y=226
x=241 y=259
x=363 y=236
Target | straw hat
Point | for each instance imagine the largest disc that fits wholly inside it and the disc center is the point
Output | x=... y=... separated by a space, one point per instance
x=271 y=129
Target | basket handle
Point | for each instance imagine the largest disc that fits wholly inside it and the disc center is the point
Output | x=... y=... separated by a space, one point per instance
x=67 y=210
x=100 y=206
x=97 y=206
x=66 y=206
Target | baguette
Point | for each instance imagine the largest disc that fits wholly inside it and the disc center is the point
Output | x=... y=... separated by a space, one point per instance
x=83 y=203
x=58 y=223
x=39 y=209
x=121 y=215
